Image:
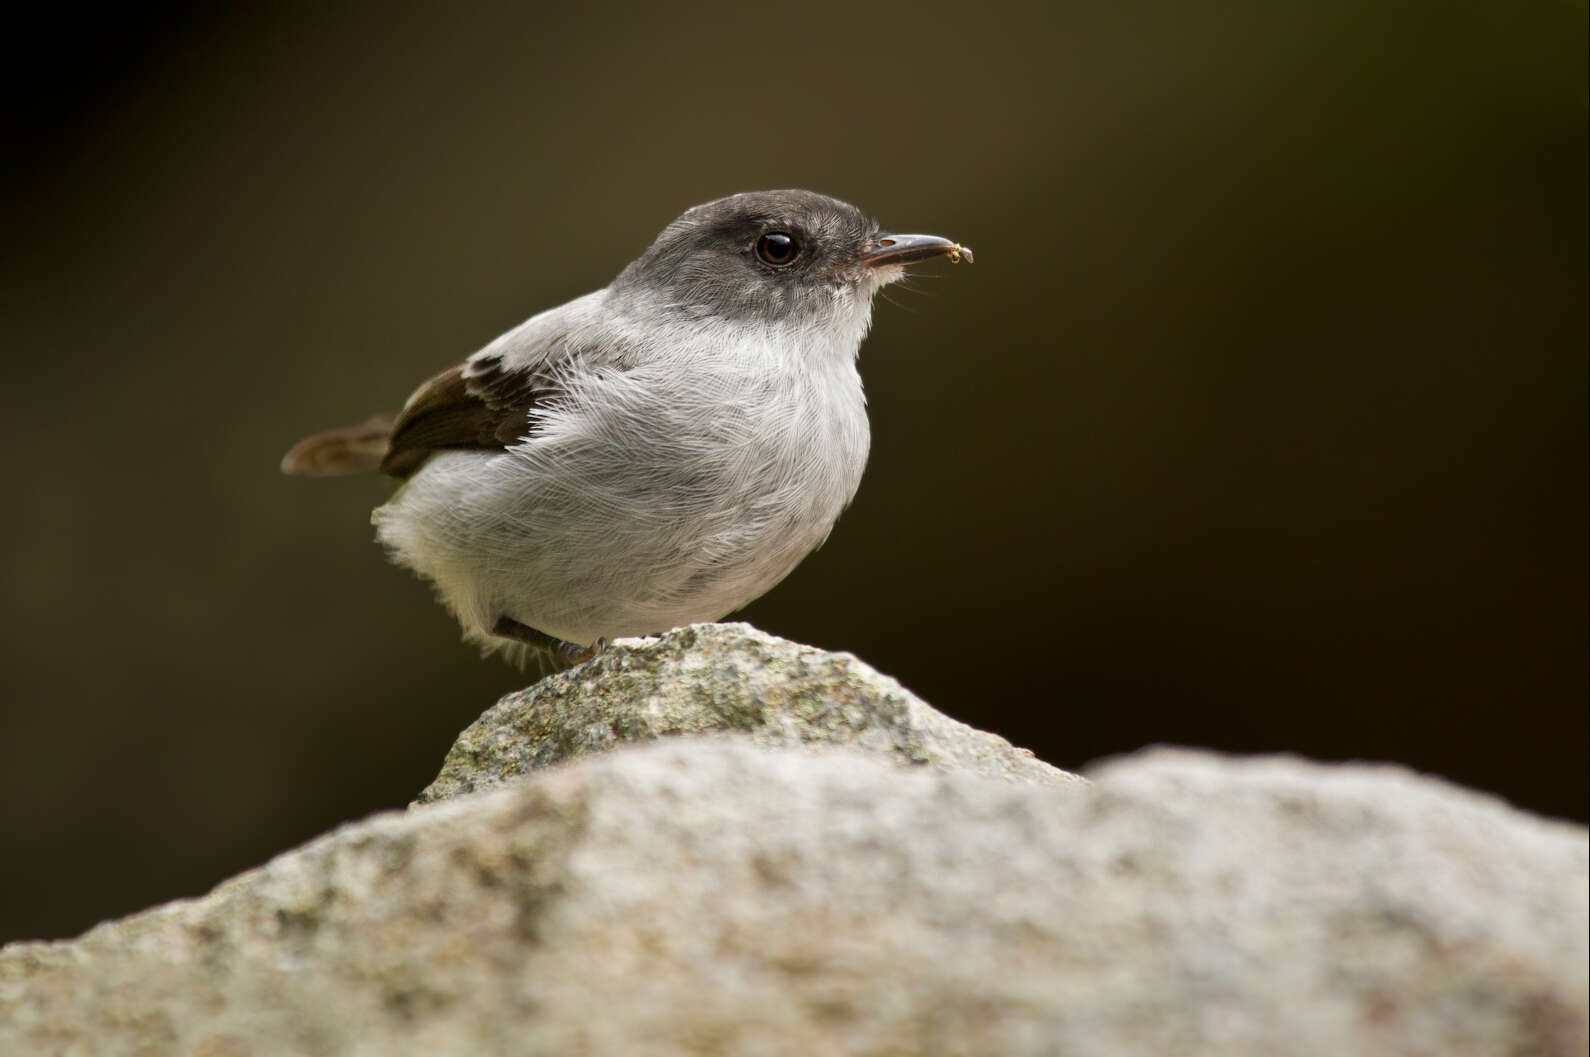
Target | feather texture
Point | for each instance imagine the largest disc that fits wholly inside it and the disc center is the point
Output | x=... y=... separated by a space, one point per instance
x=671 y=471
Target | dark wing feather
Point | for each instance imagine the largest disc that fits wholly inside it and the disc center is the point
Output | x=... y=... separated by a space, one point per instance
x=475 y=405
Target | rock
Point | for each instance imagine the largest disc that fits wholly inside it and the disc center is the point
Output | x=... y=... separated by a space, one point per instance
x=720 y=678
x=712 y=896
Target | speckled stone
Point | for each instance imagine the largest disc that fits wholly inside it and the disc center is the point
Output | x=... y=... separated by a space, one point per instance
x=720 y=679
x=698 y=896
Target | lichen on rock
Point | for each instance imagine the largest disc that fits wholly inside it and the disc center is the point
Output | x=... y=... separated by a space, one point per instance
x=720 y=679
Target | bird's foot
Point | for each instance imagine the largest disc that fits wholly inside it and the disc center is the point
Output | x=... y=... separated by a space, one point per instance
x=563 y=654
x=569 y=654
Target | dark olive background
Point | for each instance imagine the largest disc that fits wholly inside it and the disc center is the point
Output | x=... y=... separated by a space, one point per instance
x=1259 y=424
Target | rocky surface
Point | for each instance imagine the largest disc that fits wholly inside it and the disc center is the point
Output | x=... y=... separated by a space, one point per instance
x=714 y=895
x=720 y=679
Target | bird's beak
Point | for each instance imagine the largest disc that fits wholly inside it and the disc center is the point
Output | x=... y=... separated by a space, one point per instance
x=903 y=249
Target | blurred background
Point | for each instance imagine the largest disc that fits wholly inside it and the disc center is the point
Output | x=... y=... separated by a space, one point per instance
x=1260 y=423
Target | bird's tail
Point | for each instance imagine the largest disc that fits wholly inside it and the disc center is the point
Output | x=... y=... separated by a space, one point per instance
x=338 y=452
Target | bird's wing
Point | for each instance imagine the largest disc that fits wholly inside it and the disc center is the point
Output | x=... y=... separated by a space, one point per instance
x=485 y=402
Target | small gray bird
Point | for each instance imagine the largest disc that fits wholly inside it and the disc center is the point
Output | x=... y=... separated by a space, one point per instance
x=659 y=452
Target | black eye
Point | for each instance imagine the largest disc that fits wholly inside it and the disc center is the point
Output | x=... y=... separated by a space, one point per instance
x=777 y=248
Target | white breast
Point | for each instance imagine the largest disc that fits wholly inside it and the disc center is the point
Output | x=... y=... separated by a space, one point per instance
x=674 y=491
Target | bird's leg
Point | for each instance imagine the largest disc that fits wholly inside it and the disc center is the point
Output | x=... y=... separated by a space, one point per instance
x=566 y=654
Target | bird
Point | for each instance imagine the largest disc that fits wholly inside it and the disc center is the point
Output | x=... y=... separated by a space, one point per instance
x=656 y=453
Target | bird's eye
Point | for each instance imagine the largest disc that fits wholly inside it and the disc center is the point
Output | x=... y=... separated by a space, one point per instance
x=778 y=249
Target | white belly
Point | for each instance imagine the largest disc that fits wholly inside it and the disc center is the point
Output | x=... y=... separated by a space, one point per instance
x=686 y=503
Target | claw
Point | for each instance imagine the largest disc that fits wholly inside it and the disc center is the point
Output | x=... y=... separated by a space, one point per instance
x=571 y=654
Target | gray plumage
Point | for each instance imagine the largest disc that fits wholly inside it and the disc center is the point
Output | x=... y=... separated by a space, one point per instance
x=659 y=452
